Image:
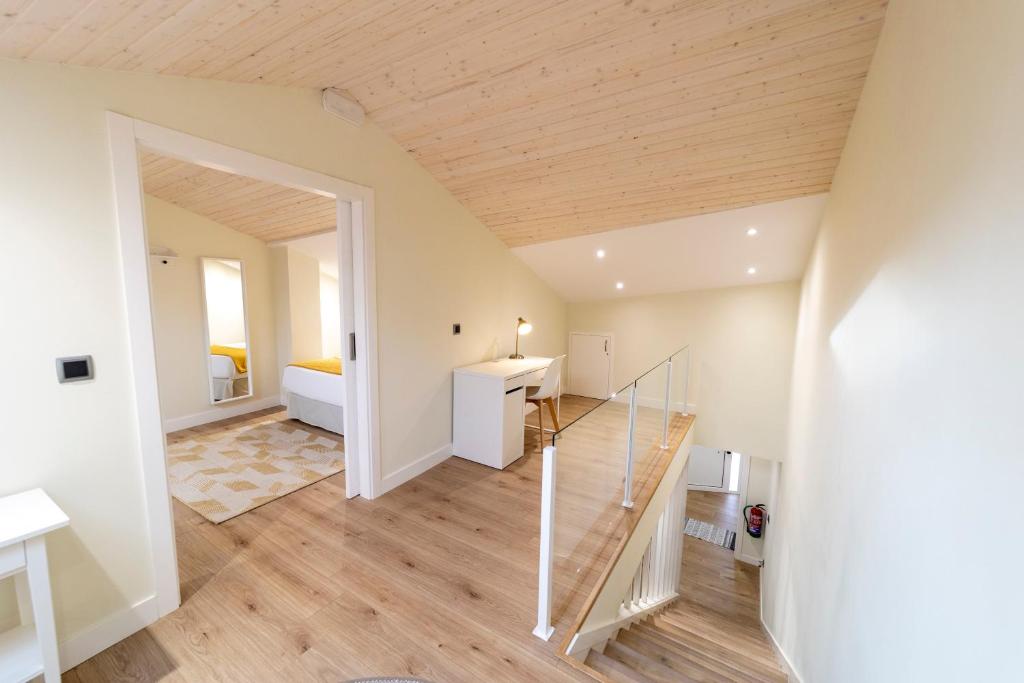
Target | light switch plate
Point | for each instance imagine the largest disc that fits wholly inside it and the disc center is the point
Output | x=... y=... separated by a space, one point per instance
x=74 y=369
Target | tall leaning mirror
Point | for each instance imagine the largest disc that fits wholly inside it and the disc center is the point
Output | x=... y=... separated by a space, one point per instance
x=227 y=329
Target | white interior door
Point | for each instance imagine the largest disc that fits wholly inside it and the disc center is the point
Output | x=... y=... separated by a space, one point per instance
x=590 y=364
x=709 y=469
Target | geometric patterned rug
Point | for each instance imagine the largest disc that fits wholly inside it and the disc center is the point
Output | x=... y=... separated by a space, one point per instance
x=221 y=474
x=706 y=531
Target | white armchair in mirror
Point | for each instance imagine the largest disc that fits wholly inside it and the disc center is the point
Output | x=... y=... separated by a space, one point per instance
x=227 y=330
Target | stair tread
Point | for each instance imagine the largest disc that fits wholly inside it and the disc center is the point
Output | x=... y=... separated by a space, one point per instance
x=653 y=670
x=717 y=616
x=752 y=636
x=695 y=642
x=613 y=668
x=647 y=645
x=729 y=664
x=712 y=642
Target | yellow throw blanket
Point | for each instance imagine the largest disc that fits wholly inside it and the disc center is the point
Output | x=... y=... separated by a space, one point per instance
x=330 y=365
x=236 y=355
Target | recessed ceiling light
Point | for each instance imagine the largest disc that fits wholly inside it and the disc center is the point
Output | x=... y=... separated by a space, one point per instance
x=600 y=253
x=751 y=231
x=751 y=270
x=619 y=285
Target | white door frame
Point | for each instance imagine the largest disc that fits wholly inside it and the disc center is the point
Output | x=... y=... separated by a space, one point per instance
x=359 y=315
x=611 y=357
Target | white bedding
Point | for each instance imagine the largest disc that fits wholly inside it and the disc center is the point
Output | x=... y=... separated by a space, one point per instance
x=222 y=367
x=319 y=386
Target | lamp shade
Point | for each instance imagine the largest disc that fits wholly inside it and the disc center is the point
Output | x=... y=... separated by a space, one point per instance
x=523 y=327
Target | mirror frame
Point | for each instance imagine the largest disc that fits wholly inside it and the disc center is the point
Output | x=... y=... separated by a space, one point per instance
x=206 y=331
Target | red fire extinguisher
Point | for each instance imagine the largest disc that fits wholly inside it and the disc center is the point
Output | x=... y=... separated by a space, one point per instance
x=756 y=520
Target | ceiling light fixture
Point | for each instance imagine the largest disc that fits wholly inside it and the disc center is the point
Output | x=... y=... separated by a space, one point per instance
x=619 y=285
x=600 y=253
x=751 y=270
x=751 y=231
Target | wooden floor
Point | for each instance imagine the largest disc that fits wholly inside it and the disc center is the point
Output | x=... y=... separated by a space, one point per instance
x=719 y=596
x=200 y=555
x=713 y=582
x=436 y=579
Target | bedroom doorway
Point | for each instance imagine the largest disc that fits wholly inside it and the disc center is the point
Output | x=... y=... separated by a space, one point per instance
x=246 y=300
x=228 y=238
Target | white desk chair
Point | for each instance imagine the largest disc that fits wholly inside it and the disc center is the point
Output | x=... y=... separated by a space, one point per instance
x=545 y=393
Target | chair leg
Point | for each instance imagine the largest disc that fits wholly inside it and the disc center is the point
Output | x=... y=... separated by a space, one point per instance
x=540 y=419
x=551 y=409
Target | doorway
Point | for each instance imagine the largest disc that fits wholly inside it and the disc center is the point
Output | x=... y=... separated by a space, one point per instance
x=714 y=470
x=354 y=227
x=590 y=364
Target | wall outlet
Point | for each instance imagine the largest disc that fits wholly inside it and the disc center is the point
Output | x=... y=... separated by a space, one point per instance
x=456 y=328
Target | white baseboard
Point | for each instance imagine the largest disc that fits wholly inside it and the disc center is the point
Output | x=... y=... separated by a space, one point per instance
x=651 y=402
x=791 y=672
x=94 y=639
x=750 y=559
x=415 y=469
x=233 y=409
x=788 y=665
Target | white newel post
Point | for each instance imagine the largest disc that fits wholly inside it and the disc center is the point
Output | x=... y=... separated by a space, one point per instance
x=543 y=630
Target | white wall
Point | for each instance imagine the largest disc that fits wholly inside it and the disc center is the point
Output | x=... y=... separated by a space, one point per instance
x=304 y=306
x=182 y=359
x=894 y=556
x=761 y=475
x=742 y=352
x=435 y=265
x=330 y=316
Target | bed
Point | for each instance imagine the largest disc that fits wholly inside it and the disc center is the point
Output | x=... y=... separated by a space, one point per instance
x=228 y=365
x=314 y=393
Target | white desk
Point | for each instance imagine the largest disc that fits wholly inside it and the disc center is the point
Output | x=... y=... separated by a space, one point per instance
x=30 y=649
x=489 y=407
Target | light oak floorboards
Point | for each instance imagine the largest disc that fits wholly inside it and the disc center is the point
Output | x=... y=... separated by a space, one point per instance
x=435 y=579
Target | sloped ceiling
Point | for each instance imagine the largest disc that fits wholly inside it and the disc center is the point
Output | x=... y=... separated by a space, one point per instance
x=546 y=119
x=256 y=208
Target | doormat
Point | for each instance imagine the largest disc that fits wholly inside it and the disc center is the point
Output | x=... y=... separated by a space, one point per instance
x=706 y=531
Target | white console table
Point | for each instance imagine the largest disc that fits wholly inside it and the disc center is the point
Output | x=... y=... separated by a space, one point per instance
x=29 y=650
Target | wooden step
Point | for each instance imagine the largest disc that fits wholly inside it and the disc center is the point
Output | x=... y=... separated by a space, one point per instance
x=733 y=665
x=653 y=647
x=651 y=669
x=725 y=631
x=712 y=641
x=707 y=611
x=613 y=669
x=689 y=641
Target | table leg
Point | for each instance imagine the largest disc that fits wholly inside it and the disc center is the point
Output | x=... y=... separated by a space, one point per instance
x=24 y=598
x=38 y=572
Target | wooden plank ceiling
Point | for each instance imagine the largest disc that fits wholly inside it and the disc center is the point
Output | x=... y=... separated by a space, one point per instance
x=259 y=209
x=546 y=119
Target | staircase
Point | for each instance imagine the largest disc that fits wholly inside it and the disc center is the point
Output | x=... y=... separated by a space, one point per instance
x=684 y=644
